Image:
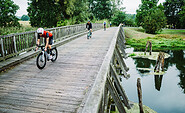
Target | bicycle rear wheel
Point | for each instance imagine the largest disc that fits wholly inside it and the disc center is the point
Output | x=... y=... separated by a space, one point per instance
x=54 y=53
x=41 y=60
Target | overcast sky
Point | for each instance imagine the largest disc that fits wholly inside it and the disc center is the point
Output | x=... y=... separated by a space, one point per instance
x=130 y=5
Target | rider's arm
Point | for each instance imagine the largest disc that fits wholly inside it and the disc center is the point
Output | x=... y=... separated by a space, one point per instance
x=47 y=41
x=38 y=42
x=91 y=27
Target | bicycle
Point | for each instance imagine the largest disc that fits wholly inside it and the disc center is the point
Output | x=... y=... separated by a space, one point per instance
x=89 y=34
x=44 y=56
x=104 y=27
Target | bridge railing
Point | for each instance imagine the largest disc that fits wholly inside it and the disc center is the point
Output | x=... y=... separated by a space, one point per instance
x=107 y=84
x=15 y=44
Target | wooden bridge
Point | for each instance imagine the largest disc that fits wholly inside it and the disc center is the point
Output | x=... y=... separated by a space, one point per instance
x=82 y=79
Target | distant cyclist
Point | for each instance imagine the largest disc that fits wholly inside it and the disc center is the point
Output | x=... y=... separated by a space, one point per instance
x=104 y=24
x=89 y=28
x=110 y=24
x=48 y=36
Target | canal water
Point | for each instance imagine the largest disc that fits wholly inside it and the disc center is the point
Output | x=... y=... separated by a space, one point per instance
x=163 y=93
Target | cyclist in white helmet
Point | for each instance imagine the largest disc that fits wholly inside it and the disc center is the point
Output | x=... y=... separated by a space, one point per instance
x=48 y=36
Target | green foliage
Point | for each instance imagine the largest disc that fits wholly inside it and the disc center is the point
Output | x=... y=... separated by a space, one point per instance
x=50 y=13
x=133 y=54
x=43 y=13
x=25 y=18
x=182 y=17
x=154 y=22
x=118 y=18
x=145 y=8
x=101 y=9
x=130 y=20
x=171 y=10
x=7 y=13
x=150 y=16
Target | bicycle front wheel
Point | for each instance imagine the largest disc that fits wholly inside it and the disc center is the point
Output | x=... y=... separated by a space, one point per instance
x=41 y=60
x=54 y=53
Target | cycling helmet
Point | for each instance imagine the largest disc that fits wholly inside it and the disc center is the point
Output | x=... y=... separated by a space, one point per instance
x=40 y=30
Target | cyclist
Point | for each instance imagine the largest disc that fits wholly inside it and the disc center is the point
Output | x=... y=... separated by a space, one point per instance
x=48 y=40
x=89 y=28
x=104 y=23
x=110 y=24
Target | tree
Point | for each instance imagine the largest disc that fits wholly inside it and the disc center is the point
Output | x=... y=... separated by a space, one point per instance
x=145 y=7
x=25 y=18
x=150 y=16
x=7 y=13
x=171 y=10
x=154 y=21
x=43 y=13
x=49 y=13
x=101 y=9
x=182 y=17
x=119 y=18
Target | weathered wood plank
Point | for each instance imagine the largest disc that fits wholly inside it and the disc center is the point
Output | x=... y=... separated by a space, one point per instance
x=115 y=96
x=120 y=88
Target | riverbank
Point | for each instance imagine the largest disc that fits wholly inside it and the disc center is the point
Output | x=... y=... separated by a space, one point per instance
x=167 y=39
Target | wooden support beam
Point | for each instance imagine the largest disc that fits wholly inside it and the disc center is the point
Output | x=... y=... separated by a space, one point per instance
x=148 y=44
x=115 y=96
x=121 y=61
x=120 y=88
x=119 y=44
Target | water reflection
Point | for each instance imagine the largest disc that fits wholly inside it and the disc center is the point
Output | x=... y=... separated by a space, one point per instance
x=158 y=81
x=177 y=58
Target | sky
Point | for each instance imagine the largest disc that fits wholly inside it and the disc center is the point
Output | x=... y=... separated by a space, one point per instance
x=130 y=5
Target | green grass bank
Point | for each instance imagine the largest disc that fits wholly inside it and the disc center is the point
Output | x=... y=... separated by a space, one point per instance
x=168 y=39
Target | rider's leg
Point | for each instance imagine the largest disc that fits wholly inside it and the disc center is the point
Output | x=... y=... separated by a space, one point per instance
x=49 y=46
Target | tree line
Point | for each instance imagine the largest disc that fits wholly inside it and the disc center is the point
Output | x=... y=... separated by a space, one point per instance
x=51 y=13
x=153 y=17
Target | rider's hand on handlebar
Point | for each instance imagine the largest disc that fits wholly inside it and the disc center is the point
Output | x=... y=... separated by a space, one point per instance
x=36 y=48
x=45 y=49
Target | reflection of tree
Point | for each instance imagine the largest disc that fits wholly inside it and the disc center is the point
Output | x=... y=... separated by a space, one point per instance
x=158 y=81
x=182 y=81
x=178 y=58
x=143 y=63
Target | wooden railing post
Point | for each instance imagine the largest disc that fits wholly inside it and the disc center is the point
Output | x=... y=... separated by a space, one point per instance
x=2 y=48
x=14 y=42
x=36 y=37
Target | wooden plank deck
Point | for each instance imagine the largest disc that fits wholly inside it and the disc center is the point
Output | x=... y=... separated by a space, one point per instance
x=60 y=87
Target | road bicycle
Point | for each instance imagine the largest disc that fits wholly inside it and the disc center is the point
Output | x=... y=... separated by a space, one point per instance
x=89 y=34
x=43 y=57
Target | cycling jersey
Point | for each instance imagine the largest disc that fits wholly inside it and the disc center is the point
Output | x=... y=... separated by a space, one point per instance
x=89 y=26
x=46 y=34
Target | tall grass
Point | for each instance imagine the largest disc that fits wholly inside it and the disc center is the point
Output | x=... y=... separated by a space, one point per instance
x=12 y=30
x=25 y=26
